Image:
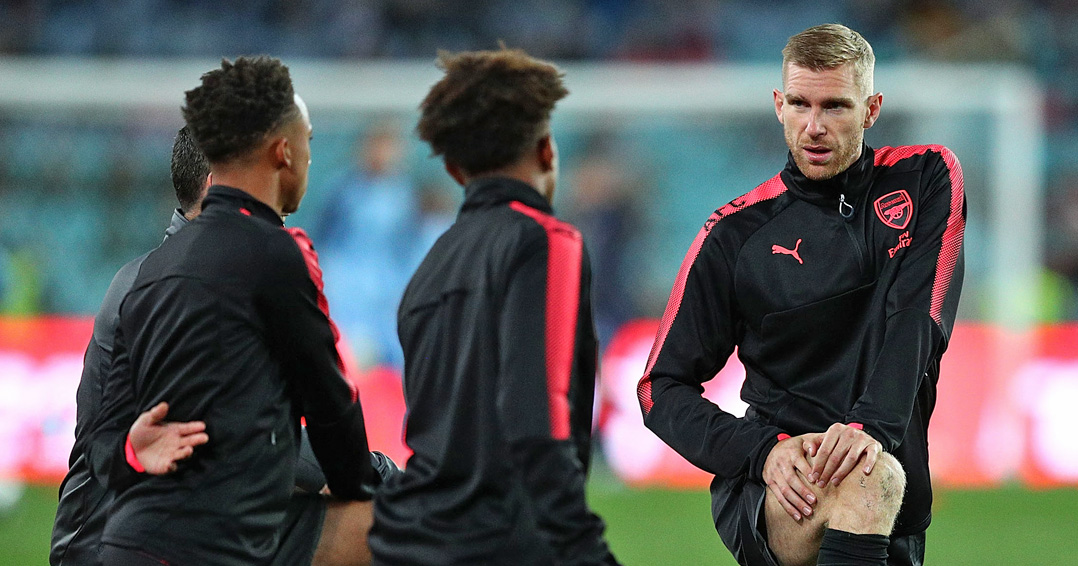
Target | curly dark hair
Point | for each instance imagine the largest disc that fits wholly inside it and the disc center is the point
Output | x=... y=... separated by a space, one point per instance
x=489 y=108
x=189 y=170
x=238 y=105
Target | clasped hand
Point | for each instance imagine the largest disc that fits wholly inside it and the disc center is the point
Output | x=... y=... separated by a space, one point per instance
x=819 y=458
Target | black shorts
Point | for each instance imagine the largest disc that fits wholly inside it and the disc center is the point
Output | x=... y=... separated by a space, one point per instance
x=737 y=506
x=301 y=530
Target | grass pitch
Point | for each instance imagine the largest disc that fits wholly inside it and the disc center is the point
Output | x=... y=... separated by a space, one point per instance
x=1006 y=526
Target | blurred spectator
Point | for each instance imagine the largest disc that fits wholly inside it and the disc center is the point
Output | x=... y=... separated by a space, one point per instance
x=366 y=240
x=604 y=192
x=1060 y=281
x=438 y=205
x=944 y=30
x=20 y=285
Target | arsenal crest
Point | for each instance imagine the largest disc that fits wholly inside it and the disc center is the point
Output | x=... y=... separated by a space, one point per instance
x=894 y=209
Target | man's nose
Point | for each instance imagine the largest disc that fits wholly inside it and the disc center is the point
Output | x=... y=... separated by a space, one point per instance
x=815 y=127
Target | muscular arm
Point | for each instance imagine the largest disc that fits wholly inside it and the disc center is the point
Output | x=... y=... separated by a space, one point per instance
x=697 y=334
x=297 y=317
x=105 y=441
x=922 y=305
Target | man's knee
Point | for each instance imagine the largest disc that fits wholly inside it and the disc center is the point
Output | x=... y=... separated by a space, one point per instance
x=870 y=503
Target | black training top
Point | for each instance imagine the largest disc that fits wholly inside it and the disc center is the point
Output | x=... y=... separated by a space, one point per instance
x=840 y=297
x=226 y=321
x=499 y=377
x=84 y=501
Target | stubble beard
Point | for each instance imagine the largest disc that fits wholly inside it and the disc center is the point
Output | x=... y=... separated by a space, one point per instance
x=841 y=158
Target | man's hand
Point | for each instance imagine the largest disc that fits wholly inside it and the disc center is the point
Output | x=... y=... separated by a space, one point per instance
x=159 y=445
x=780 y=474
x=838 y=452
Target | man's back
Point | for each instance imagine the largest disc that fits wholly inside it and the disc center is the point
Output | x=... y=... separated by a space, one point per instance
x=84 y=501
x=462 y=489
x=222 y=322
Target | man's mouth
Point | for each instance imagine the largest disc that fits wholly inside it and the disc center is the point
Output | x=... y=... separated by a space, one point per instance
x=817 y=154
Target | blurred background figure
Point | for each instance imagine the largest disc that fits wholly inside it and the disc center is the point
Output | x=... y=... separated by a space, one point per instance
x=1060 y=291
x=605 y=191
x=374 y=228
x=367 y=243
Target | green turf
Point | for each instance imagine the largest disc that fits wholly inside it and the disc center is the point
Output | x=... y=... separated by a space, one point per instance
x=25 y=530
x=1006 y=526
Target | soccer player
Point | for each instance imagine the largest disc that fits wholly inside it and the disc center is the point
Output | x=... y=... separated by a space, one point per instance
x=226 y=322
x=837 y=280
x=498 y=341
x=84 y=501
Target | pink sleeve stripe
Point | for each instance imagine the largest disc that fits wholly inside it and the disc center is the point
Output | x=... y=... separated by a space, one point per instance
x=310 y=257
x=132 y=459
x=565 y=254
x=952 y=238
x=951 y=244
x=770 y=189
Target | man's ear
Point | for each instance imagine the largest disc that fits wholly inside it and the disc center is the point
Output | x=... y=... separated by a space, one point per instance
x=209 y=181
x=780 y=99
x=281 y=151
x=456 y=173
x=875 y=102
x=545 y=153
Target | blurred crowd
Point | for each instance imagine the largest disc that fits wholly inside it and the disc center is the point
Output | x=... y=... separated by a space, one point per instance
x=103 y=189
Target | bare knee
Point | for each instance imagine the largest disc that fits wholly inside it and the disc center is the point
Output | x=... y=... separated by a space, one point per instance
x=869 y=504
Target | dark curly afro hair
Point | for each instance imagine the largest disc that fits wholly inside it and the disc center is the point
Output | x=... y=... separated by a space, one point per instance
x=489 y=108
x=238 y=105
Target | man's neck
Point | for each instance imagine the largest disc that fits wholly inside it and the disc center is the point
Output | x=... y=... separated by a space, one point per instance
x=528 y=175
x=261 y=184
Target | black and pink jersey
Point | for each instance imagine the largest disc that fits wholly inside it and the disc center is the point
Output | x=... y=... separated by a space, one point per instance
x=226 y=321
x=839 y=297
x=499 y=376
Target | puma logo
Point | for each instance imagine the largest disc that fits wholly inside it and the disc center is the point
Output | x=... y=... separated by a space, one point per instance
x=777 y=249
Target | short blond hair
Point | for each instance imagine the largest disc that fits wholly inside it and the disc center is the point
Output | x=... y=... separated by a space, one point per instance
x=830 y=46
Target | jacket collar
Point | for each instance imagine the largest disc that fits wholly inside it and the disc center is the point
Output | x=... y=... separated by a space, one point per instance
x=853 y=182
x=491 y=191
x=222 y=197
x=178 y=221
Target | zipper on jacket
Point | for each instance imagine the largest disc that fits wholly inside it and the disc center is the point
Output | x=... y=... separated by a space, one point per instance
x=846 y=211
x=844 y=206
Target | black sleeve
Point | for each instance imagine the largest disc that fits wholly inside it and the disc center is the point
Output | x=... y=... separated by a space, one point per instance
x=697 y=334
x=107 y=437
x=585 y=370
x=309 y=476
x=297 y=318
x=922 y=305
x=537 y=343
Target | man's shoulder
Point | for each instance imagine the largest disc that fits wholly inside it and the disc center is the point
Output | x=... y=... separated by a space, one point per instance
x=536 y=223
x=905 y=157
x=109 y=313
x=750 y=210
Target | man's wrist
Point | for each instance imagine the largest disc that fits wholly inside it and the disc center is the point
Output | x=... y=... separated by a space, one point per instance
x=132 y=459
